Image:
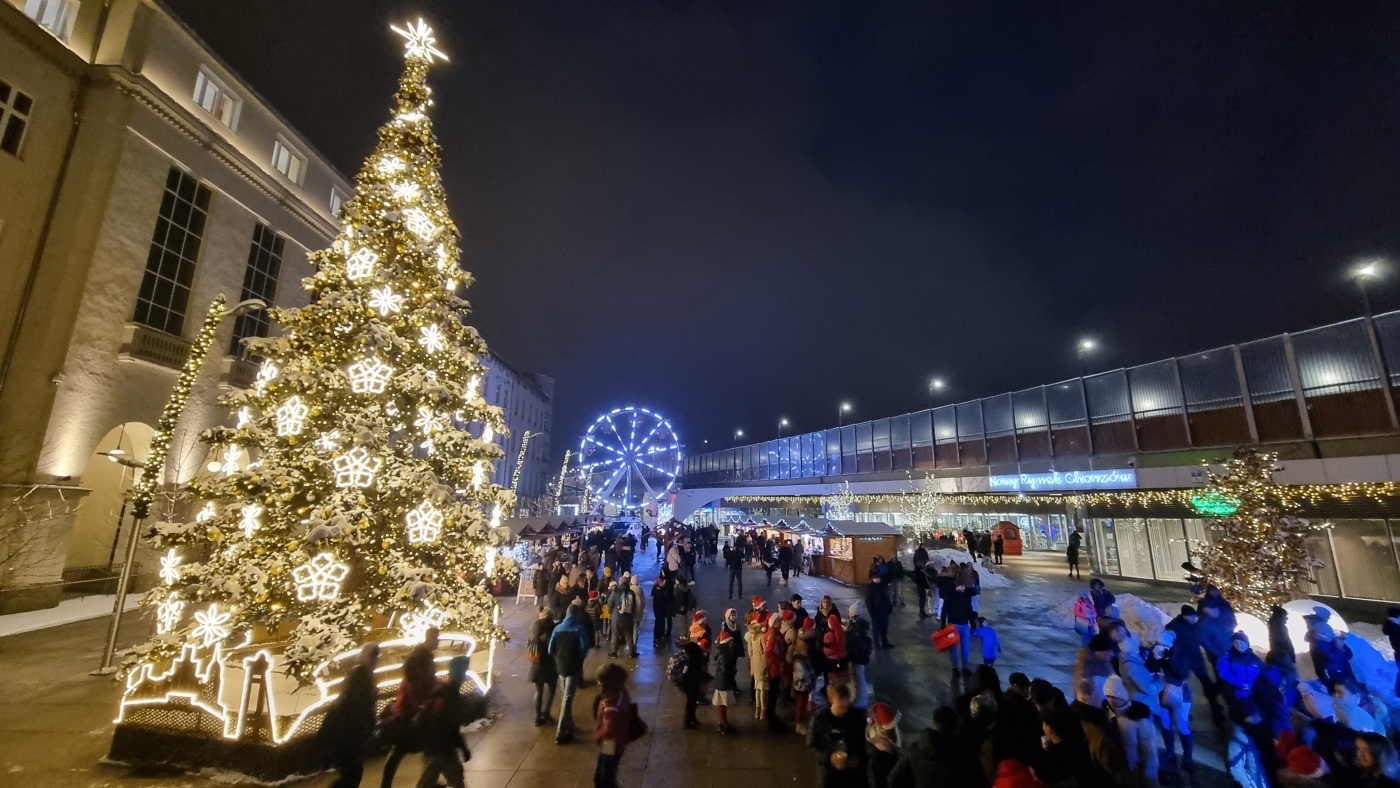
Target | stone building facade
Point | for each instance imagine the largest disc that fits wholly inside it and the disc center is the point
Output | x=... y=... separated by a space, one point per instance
x=142 y=178
x=528 y=402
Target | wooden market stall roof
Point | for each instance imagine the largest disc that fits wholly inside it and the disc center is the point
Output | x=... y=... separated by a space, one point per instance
x=853 y=528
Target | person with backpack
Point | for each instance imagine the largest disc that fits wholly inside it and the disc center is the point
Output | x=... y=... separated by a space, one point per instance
x=542 y=672
x=860 y=645
x=623 y=603
x=442 y=730
x=615 y=724
x=568 y=646
x=349 y=722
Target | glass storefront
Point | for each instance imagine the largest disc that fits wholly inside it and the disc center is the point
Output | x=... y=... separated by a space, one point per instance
x=1361 y=558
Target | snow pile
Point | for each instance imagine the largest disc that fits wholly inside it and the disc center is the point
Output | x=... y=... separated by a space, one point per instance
x=986 y=574
x=68 y=611
x=1143 y=619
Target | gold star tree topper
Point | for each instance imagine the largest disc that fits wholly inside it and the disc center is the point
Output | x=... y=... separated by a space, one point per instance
x=420 y=41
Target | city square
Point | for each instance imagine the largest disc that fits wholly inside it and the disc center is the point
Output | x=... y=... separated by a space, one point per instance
x=859 y=456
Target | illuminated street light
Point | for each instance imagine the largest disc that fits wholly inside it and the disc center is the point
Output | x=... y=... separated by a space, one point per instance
x=935 y=386
x=841 y=413
x=738 y=434
x=1363 y=273
x=782 y=423
x=1086 y=346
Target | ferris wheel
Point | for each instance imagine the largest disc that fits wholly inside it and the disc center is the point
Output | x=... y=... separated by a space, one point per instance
x=630 y=456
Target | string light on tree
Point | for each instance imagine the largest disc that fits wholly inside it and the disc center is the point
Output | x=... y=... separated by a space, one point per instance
x=211 y=625
x=232 y=455
x=356 y=468
x=406 y=192
x=424 y=523
x=328 y=441
x=207 y=513
x=319 y=578
x=291 y=416
x=361 y=264
x=391 y=165
x=429 y=422
x=419 y=224
x=369 y=376
x=245 y=416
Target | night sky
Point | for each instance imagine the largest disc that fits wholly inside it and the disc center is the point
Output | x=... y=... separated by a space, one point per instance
x=736 y=211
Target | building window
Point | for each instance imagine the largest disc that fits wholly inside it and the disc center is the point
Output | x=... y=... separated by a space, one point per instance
x=56 y=16
x=216 y=99
x=14 y=118
x=165 y=288
x=259 y=281
x=337 y=202
x=288 y=162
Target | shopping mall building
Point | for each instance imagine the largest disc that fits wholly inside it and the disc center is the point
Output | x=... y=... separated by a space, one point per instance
x=1118 y=454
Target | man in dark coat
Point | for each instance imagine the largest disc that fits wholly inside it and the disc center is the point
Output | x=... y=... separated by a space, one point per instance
x=837 y=733
x=878 y=605
x=568 y=645
x=921 y=586
x=662 y=602
x=1187 y=657
x=734 y=561
x=936 y=759
x=349 y=722
x=785 y=560
x=542 y=671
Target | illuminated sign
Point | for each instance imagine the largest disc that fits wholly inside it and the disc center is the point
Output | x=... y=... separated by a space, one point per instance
x=1214 y=504
x=1111 y=479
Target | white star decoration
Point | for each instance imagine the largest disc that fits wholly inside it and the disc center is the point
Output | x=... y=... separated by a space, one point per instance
x=385 y=300
x=319 y=578
x=420 y=41
x=170 y=567
x=406 y=191
x=230 y=463
x=212 y=625
x=432 y=338
x=291 y=416
x=424 y=523
x=419 y=224
x=355 y=468
x=361 y=264
x=369 y=376
x=390 y=165
x=250 y=522
x=430 y=422
x=168 y=615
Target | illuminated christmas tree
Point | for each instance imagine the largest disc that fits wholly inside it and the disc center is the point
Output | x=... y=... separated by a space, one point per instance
x=1259 y=557
x=921 y=508
x=352 y=493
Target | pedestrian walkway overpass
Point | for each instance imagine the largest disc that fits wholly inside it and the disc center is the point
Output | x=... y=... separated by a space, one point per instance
x=1324 y=399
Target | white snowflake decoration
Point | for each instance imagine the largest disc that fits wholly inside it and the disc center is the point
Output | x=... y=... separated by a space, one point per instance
x=245 y=417
x=168 y=615
x=488 y=434
x=391 y=409
x=415 y=626
x=406 y=191
x=361 y=264
x=369 y=376
x=432 y=338
x=420 y=41
x=473 y=388
x=478 y=475
x=229 y=466
x=356 y=468
x=328 y=441
x=170 y=567
x=212 y=625
x=319 y=578
x=266 y=374
x=251 y=513
x=419 y=224
x=424 y=523
x=429 y=422
x=206 y=514
x=390 y=165
x=443 y=261
x=291 y=416
x=385 y=300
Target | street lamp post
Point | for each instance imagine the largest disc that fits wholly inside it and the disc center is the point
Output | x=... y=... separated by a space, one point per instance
x=738 y=434
x=935 y=386
x=781 y=424
x=1085 y=347
x=841 y=414
x=154 y=467
x=1363 y=274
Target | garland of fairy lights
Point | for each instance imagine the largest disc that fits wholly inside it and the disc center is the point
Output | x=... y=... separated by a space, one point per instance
x=1311 y=493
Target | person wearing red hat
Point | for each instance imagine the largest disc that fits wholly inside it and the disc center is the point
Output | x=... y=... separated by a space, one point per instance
x=802 y=677
x=775 y=653
x=726 y=668
x=884 y=744
x=700 y=626
x=1303 y=768
x=758 y=663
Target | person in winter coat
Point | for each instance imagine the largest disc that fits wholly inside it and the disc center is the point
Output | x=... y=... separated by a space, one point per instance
x=1244 y=759
x=1187 y=656
x=1346 y=705
x=694 y=677
x=1217 y=601
x=1085 y=616
x=568 y=646
x=726 y=669
x=662 y=599
x=958 y=609
x=349 y=722
x=1240 y=667
x=1100 y=731
x=758 y=663
x=803 y=677
x=779 y=671
x=682 y=603
x=1102 y=598
x=1135 y=728
x=785 y=560
x=612 y=724
x=877 y=604
x=559 y=599
x=1377 y=764
x=734 y=562
x=1281 y=652
x=1331 y=656
x=542 y=672
x=442 y=731
x=1215 y=633
x=624 y=605
x=411 y=700
x=882 y=741
x=1011 y=773
x=921 y=586
x=1175 y=717
x=838 y=735
x=936 y=758
x=1065 y=759
x=594 y=608
x=834 y=645
x=991 y=643
x=860 y=646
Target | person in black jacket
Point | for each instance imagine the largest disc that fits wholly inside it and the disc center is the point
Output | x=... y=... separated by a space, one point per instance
x=734 y=560
x=837 y=733
x=349 y=722
x=542 y=671
x=1187 y=656
x=878 y=605
x=921 y=587
x=663 y=599
x=936 y=758
x=694 y=677
x=442 y=731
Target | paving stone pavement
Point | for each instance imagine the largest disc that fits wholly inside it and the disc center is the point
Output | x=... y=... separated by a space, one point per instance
x=56 y=720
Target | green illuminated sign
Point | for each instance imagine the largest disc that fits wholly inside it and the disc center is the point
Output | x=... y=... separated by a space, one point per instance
x=1213 y=504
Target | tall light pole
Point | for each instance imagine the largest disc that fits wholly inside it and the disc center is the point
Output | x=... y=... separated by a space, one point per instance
x=782 y=423
x=1086 y=346
x=738 y=435
x=841 y=414
x=154 y=468
x=1362 y=274
x=935 y=387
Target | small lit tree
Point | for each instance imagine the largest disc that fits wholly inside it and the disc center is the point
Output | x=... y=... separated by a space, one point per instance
x=1259 y=557
x=842 y=505
x=921 y=508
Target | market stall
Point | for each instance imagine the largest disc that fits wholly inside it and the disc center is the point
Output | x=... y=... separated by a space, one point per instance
x=849 y=547
x=1010 y=535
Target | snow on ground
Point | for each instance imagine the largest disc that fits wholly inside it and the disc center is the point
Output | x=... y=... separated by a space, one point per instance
x=1143 y=618
x=986 y=571
x=68 y=611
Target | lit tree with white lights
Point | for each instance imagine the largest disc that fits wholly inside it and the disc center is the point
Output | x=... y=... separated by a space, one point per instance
x=921 y=508
x=367 y=502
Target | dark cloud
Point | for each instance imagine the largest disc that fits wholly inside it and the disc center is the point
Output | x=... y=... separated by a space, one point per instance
x=737 y=210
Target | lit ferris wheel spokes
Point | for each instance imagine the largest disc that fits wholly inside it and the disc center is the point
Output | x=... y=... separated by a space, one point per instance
x=630 y=456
